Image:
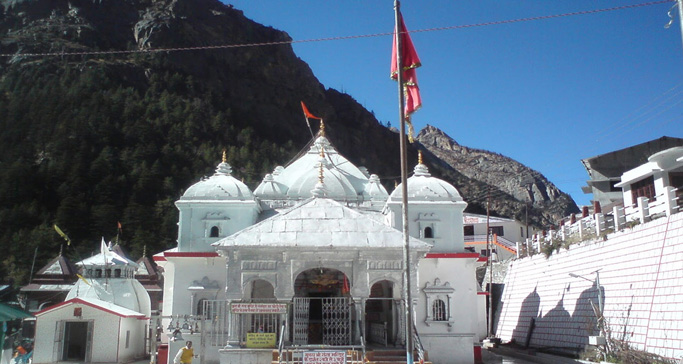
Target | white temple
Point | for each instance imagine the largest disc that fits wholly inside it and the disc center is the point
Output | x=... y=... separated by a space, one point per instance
x=104 y=318
x=313 y=259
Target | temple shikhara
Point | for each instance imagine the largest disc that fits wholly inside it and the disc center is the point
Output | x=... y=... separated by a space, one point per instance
x=312 y=260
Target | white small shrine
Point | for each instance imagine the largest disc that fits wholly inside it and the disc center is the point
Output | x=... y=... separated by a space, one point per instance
x=104 y=318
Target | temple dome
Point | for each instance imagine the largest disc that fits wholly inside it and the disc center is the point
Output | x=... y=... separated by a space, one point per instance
x=423 y=187
x=343 y=181
x=221 y=186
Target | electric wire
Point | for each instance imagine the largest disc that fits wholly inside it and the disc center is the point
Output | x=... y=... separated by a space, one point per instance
x=327 y=39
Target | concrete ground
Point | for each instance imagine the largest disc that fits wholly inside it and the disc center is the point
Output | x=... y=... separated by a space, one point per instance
x=505 y=355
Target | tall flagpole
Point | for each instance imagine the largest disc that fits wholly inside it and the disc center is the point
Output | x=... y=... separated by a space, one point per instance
x=679 y=3
x=404 y=190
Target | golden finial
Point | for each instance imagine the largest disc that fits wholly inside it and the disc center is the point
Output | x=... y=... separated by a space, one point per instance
x=419 y=157
x=225 y=156
x=322 y=159
x=322 y=128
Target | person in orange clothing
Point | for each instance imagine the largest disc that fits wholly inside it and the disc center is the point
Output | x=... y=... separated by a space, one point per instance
x=185 y=354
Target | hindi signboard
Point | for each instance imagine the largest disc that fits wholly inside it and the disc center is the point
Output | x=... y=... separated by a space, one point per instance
x=276 y=308
x=261 y=340
x=324 y=357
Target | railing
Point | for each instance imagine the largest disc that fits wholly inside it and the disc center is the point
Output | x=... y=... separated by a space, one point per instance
x=363 y=345
x=598 y=224
x=493 y=239
x=418 y=345
x=379 y=334
x=216 y=325
x=281 y=341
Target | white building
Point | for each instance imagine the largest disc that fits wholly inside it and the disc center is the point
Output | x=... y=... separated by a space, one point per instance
x=104 y=318
x=503 y=238
x=656 y=183
x=315 y=256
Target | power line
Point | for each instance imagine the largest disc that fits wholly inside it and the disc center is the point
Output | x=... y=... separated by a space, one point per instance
x=286 y=42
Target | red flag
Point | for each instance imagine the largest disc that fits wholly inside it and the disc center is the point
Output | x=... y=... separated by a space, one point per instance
x=409 y=62
x=308 y=113
x=119 y=224
x=346 y=288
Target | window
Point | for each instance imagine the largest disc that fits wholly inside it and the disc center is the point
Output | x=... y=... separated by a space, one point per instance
x=521 y=231
x=214 y=232
x=127 y=338
x=643 y=188
x=439 y=310
x=200 y=307
x=469 y=230
x=439 y=299
x=117 y=273
x=676 y=181
x=498 y=230
x=428 y=234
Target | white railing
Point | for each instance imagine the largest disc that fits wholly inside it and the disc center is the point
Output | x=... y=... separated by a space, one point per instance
x=595 y=225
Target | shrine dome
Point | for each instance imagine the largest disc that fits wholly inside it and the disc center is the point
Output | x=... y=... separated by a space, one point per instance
x=343 y=180
x=423 y=187
x=221 y=186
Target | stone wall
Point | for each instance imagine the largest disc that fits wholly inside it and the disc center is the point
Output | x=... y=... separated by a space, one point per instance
x=641 y=276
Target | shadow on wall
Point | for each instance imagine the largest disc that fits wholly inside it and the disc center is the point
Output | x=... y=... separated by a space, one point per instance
x=557 y=328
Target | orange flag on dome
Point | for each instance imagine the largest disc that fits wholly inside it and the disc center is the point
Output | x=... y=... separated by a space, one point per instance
x=308 y=113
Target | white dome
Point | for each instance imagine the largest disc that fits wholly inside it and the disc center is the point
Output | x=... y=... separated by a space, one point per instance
x=269 y=188
x=221 y=186
x=374 y=189
x=342 y=180
x=423 y=187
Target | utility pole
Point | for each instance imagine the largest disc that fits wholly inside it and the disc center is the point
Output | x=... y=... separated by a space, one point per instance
x=489 y=263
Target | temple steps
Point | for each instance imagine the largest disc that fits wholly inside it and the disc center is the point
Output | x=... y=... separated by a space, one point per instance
x=389 y=357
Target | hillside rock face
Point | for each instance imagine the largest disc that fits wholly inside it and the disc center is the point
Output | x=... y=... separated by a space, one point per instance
x=88 y=140
x=505 y=174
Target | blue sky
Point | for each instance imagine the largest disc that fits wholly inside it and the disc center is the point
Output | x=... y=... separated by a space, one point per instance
x=546 y=93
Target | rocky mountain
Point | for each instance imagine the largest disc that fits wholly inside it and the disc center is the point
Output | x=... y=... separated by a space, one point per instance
x=98 y=126
x=506 y=177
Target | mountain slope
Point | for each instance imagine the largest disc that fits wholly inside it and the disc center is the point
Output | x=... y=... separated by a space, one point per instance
x=507 y=176
x=89 y=140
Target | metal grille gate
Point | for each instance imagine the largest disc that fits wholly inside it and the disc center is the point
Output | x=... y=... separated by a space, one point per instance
x=336 y=320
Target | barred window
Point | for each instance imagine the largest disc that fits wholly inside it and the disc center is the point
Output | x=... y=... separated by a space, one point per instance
x=439 y=310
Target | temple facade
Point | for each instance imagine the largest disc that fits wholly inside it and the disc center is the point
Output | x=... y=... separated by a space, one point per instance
x=313 y=257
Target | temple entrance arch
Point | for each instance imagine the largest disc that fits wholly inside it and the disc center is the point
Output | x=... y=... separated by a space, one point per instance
x=322 y=308
x=381 y=310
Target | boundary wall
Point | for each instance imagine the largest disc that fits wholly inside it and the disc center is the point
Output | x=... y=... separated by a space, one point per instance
x=641 y=278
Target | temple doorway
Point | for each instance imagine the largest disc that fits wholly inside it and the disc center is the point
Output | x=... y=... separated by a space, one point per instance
x=323 y=308
x=380 y=314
